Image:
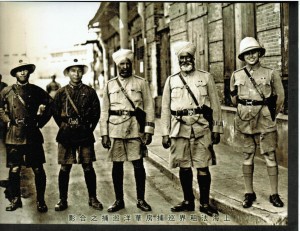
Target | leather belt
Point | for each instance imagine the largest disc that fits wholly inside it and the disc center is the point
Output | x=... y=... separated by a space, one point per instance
x=121 y=112
x=248 y=102
x=185 y=112
x=23 y=122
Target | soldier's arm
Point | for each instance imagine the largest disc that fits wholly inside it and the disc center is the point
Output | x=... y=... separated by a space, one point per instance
x=105 y=112
x=166 y=109
x=47 y=113
x=148 y=108
x=95 y=110
x=56 y=109
x=215 y=105
x=233 y=91
x=3 y=116
x=278 y=90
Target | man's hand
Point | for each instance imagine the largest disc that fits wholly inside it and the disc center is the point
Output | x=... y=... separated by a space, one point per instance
x=148 y=138
x=166 y=142
x=106 y=142
x=215 y=138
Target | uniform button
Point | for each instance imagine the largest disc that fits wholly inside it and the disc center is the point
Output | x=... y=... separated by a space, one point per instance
x=191 y=103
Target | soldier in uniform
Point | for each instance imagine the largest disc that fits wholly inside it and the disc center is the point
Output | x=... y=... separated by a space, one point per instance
x=25 y=108
x=253 y=122
x=186 y=129
x=53 y=86
x=76 y=112
x=121 y=133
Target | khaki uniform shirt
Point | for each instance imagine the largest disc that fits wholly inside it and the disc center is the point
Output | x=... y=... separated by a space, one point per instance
x=176 y=97
x=256 y=119
x=126 y=126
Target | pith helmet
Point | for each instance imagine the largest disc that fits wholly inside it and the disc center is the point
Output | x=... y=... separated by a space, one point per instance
x=248 y=44
x=22 y=65
x=76 y=63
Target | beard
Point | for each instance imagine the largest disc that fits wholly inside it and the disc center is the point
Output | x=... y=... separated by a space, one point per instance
x=125 y=73
x=186 y=67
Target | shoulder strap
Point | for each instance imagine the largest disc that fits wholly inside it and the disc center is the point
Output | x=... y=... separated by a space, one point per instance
x=125 y=93
x=254 y=83
x=189 y=90
x=19 y=97
x=71 y=101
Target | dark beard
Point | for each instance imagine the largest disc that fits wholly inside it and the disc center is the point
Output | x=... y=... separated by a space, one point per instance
x=126 y=73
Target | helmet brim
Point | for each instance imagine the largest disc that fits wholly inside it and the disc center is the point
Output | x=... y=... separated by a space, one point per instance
x=261 y=49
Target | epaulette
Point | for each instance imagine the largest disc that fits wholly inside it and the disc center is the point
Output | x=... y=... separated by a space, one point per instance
x=203 y=71
x=138 y=77
x=267 y=67
x=174 y=74
x=112 y=79
x=241 y=69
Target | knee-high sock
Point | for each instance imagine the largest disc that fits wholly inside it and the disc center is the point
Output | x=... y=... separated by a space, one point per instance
x=273 y=176
x=90 y=180
x=40 y=183
x=63 y=184
x=117 y=176
x=140 y=180
x=186 y=180
x=248 y=177
x=204 y=187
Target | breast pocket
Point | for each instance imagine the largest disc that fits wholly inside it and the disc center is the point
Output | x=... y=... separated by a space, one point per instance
x=136 y=95
x=114 y=95
x=202 y=87
x=264 y=85
x=243 y=91
x=176 y=91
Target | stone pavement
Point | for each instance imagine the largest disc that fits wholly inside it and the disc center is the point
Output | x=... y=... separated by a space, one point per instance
x=227 y=189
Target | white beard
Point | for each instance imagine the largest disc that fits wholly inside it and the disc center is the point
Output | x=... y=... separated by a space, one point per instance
x=186 y=68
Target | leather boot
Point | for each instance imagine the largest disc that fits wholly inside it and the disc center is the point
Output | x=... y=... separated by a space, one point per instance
x=40 y=185
x=63 y=185
x=14 y=204
x=116 y=206
x=90 y=180
x=184 y=206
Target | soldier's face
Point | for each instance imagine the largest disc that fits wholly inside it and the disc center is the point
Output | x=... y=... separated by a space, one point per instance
x=75 y=73
x=125 y=68
x=251 y=57
x=186 y=62
x=22 y=75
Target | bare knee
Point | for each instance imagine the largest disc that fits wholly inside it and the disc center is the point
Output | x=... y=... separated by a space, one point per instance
x=248 y=158
x=270 y=158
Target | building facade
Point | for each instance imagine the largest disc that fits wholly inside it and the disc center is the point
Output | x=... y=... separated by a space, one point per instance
x=151 y=30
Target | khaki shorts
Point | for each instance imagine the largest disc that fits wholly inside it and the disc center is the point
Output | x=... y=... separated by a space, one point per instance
x=191 y=152
x=124 y=149
x=84 y=154
x=267 y=142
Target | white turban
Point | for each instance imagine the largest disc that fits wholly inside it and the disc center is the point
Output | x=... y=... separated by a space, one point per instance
x=122 y=54
x=184 y=46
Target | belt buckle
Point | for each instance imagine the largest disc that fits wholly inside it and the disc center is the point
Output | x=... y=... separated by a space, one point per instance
x=249 y=103
x=190 y=112
x=125 y=112
x=20 y=121
x=73 y=121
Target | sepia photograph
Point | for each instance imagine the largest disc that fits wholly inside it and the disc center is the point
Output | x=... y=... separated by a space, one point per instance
x=148 y=115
